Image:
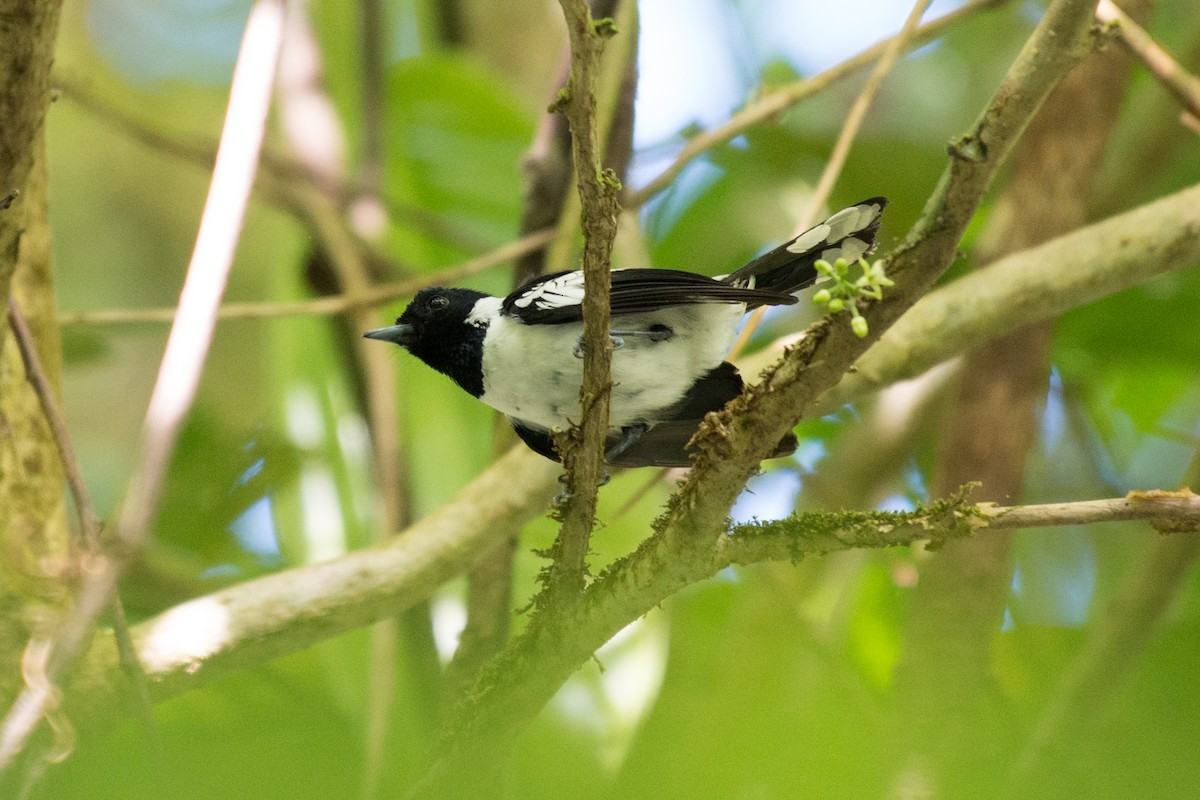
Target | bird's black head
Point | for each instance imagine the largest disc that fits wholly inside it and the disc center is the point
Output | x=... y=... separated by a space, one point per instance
x=435 y=328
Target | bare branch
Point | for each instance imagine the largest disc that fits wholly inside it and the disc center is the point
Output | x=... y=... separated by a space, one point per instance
x=1183 y=86
x=261 y=619
x=821 y=533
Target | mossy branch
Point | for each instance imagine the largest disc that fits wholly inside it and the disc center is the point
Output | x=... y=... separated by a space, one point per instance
x=582 y=449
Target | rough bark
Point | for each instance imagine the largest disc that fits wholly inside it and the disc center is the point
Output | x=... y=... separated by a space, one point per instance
x=33 y=531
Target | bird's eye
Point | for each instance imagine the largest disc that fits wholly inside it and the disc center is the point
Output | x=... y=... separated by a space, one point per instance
x=438 y=302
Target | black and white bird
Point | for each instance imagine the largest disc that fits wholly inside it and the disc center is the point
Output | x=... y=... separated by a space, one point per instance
x=522 y=354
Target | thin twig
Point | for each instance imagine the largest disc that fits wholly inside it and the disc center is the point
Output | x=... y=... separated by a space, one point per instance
x=89 y=520
x=1183 y=86
x=174 y=390
x=1180 y=506
x=784 y=98
x=327 y=306
x=858 y=112
x=841 y=148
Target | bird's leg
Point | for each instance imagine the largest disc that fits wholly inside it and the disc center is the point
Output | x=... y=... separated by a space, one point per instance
x=629 y=435
x=617 y=344
x=655 y=333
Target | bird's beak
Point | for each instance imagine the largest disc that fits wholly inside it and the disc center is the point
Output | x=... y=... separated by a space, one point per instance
x=402 y=335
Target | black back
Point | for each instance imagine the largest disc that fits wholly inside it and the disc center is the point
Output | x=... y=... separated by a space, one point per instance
x=557 y=298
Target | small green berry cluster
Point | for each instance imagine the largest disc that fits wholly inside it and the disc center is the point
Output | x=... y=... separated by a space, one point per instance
x=845 y=293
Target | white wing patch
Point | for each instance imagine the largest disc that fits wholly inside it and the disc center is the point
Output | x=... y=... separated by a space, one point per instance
x=850 y=249
x=565 y=290
x=810 y=239
x=839 y=227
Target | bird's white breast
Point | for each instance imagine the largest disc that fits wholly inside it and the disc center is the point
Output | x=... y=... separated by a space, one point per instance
x=532 y=371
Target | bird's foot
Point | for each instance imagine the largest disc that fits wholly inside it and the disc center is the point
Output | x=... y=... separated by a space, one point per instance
x=629 y=435
x=564 y=495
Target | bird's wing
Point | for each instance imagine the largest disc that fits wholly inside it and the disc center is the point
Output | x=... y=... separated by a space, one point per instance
x=558 y=298
x=848 y=234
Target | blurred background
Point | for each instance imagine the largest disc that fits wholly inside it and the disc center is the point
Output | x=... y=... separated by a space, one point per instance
x=1006 y=672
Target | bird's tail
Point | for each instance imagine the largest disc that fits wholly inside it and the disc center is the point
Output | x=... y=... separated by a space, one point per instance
x=848 y=234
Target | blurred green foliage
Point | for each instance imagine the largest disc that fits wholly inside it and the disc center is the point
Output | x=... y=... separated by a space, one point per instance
x=775 y=681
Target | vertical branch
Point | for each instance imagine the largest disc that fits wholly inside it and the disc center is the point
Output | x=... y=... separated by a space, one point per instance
x=29 y=502
x=26 y=53
x=547 y=169
x=583 y=450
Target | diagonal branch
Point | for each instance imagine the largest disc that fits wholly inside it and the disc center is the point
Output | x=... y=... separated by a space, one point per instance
x=1183 y=86
x=751 y=426
x=1026 y=287
x=782 y=99
x=841 y=148
x=258 y=620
